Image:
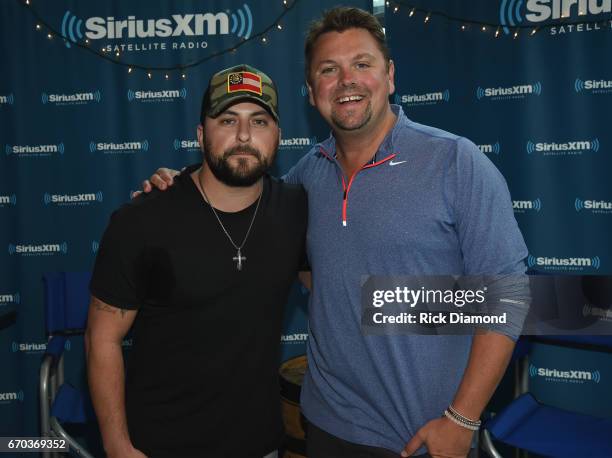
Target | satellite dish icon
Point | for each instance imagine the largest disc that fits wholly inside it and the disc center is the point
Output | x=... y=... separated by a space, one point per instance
x=72 y=28
x=530 y=147
x=242 y=22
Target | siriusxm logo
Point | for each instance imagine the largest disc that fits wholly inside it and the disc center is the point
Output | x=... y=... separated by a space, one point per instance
x=119 y=148
x=594 y=86
x=594 y=206
x=186 y=145
x=34 y=150
x=294 y=338
x=564 y=263
x=522 y=206
x=304 y=90
x=48 y=249
x=157 y=96
x=510 y=92
x=563 y=149
x=297 y=142
x=6 y=299
x=516 y=12
x=72 y=199
x=488 y=149
x=71 y=99
x=557 y=375
x=8 y=99
x=239 y=23
x=601 y=313
x=429 y=98
x=5 y=398
x=8 y=200
x=33 y=347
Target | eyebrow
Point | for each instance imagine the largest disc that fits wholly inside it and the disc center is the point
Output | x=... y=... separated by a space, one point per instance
x=357 y=57
x=326 y=61
x=363 y=55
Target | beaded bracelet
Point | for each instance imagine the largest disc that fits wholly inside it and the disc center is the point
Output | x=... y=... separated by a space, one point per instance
x=457 y=418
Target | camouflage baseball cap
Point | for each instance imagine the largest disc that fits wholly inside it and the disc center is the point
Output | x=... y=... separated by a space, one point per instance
x=239 y=83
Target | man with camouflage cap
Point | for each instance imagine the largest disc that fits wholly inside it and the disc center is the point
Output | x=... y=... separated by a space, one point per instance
x=202 y=379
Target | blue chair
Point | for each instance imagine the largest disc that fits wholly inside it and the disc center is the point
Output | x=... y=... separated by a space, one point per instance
x=535 y=427
x=66 y=300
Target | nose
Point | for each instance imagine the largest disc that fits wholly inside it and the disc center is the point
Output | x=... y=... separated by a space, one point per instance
x=244 y=131
x=347 y=77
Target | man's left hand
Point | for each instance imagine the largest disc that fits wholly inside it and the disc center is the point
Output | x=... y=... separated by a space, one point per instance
x=443 y=439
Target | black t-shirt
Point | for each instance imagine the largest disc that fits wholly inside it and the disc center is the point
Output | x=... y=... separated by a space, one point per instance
x=202 y=376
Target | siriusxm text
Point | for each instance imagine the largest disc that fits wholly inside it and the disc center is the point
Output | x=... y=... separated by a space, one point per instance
x=294 y=337
x=597 y=205
x=296 y=142
x=83 y=97
x=575 y=375
x=430 y=97
x=515 y=90
x=168 y=94
x=35 y=149
x=58 y=199
x=569 y=146
x=543 y=10
x=119 y=146
x=189 y=144
x=576 y=262
x=523 y=205
x=32 y=347
x=598 y=84
x=177 y=25
x=47 y=248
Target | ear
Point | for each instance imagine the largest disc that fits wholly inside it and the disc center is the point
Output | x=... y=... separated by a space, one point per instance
x=200 y=133
x=391 y=76
x=310 y=92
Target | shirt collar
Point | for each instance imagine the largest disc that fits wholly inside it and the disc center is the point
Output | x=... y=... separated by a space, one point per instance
x=387 y=147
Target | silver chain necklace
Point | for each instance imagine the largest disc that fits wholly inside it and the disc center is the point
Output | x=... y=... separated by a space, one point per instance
x=238 y=258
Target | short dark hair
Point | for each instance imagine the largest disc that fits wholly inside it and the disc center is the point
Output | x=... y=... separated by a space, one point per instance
x=340 y=19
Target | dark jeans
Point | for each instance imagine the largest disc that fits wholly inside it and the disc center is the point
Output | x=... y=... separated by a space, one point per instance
x=320 y=444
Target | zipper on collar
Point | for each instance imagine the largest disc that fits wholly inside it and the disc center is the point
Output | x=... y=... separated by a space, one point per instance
x=346 y=188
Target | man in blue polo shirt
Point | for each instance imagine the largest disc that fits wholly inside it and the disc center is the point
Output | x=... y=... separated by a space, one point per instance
x=388 y=196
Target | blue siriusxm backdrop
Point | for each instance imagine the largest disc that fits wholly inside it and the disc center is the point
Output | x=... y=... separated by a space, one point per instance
x=79 y=133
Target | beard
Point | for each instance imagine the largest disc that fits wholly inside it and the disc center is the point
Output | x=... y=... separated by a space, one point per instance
x=242 y=174
x=349 y=123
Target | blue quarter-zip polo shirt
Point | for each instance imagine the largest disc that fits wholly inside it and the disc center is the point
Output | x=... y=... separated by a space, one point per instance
x=428 y=203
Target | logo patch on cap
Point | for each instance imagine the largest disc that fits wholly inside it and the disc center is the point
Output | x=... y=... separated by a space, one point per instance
x=244 y=81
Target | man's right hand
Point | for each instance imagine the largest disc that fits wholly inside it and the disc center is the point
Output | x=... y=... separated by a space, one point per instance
x=126 y=452
x=161 y=179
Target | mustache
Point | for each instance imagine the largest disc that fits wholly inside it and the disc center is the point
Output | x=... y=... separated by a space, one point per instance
x=242 y=149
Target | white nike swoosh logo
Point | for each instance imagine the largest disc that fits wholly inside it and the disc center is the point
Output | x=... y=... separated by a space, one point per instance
x=391 y=163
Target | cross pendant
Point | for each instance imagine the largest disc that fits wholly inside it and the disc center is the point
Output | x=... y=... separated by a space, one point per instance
x=239 y=260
